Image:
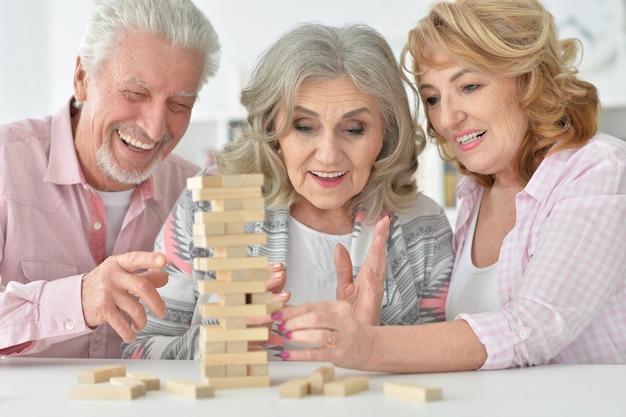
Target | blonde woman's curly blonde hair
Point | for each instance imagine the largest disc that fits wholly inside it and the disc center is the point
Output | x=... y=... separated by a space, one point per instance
x=512 y=38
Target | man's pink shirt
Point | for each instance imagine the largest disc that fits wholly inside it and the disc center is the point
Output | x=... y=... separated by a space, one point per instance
x=53 y=230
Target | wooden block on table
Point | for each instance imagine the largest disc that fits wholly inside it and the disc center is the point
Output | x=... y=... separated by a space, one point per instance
x=129 y=382
x=152 y=382
x=295 y=388
x=239 y=382
x=212 y=286
x=218 y=229
x=412 y=392
x=346 y=386
x=239 y=239
x=244 y=358
x=243 y=310
x=213 y=347
x=216 y=264
x=101 y=374
x=189 y=389
x=226 y=193
x=321 y=376
x=231 y=216
x=219 y=181
x=105 y=392
x=214 y=333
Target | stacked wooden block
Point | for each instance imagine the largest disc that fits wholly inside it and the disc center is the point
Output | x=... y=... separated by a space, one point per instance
x=228 y=360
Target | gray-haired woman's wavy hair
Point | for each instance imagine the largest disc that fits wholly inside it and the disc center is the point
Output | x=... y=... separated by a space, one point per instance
x=178 y=21
x=318 y=52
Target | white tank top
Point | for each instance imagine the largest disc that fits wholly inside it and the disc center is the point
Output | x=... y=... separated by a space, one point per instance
x=115 y=205
x=472 y=289
x=311 y=273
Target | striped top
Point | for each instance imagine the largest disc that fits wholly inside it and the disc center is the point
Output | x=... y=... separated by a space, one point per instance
x=419 y=264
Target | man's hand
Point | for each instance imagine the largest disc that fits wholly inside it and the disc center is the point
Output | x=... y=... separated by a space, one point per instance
x=111 y=291
x=365 y=294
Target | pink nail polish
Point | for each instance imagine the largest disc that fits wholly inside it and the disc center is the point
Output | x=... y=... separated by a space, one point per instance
x=281 y=327
x=288 y=335
x=284 y=355
x=277 y=315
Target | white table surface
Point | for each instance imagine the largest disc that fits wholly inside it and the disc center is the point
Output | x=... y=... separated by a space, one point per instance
x=40 y=387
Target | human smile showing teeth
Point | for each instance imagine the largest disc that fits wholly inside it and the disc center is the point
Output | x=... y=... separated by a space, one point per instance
x=470 y=137
x=329 y=175
x=135 y=143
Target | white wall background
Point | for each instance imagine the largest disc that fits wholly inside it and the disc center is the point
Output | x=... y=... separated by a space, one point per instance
x=39 y=42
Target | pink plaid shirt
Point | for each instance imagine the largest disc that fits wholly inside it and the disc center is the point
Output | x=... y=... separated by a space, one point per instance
x=561 y=271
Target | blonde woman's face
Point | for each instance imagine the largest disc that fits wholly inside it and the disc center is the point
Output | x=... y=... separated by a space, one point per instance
x=477 y=114
x=332 y=141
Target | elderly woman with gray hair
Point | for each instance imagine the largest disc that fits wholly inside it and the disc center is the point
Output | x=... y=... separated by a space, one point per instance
x=332 y=129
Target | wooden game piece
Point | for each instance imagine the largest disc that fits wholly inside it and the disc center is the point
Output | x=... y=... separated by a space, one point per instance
x=226 y=193
x=231 y=252
x=130 y=382
x=244 y=358
x=412 y=392
x=239 y=239
x=236 y=370
x=260 y=297
x=295 y=388
x=244 y=310
x=101 y=374
x=212 y=286
x=226 y=217
x=106 y=392
x=258 y=370
x=152 y=382
x=321 y=376
x=254 y=274
x=237 y=347
x=220 y=181
x=346 y=386
x=233 y=322
x=214 y=333
x=215 y=264
x=238 y=382
x=238 y=204
x=189 y=389
x=209 y=371
x=232 y=299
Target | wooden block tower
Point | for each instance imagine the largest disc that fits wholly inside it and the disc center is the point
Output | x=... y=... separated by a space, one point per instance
x=227 y=359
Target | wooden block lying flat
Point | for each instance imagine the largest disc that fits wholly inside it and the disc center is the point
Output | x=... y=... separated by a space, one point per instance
x=239 y=239
x=347 y=386
x=244 y=358
x=189 y=389
x=255 y=274
x=125 y=381
x=102 y=374
x=211 y=286
x=321 y=376
x=226 y=193
x=412 y=392
x=152 y=382
x=233 y=216
x=239 y=382
x=238 y=204
x=217 y=310
x=215 y=333
x=216 y=264
x=258 y=370
x=295 y=388
x=219 y=181
x=105 y=392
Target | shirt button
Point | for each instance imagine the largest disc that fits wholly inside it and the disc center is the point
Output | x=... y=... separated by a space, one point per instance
x=97 y=225
x=507 y=298
x=97 y=337
x=69 y=325
x=523 y=334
